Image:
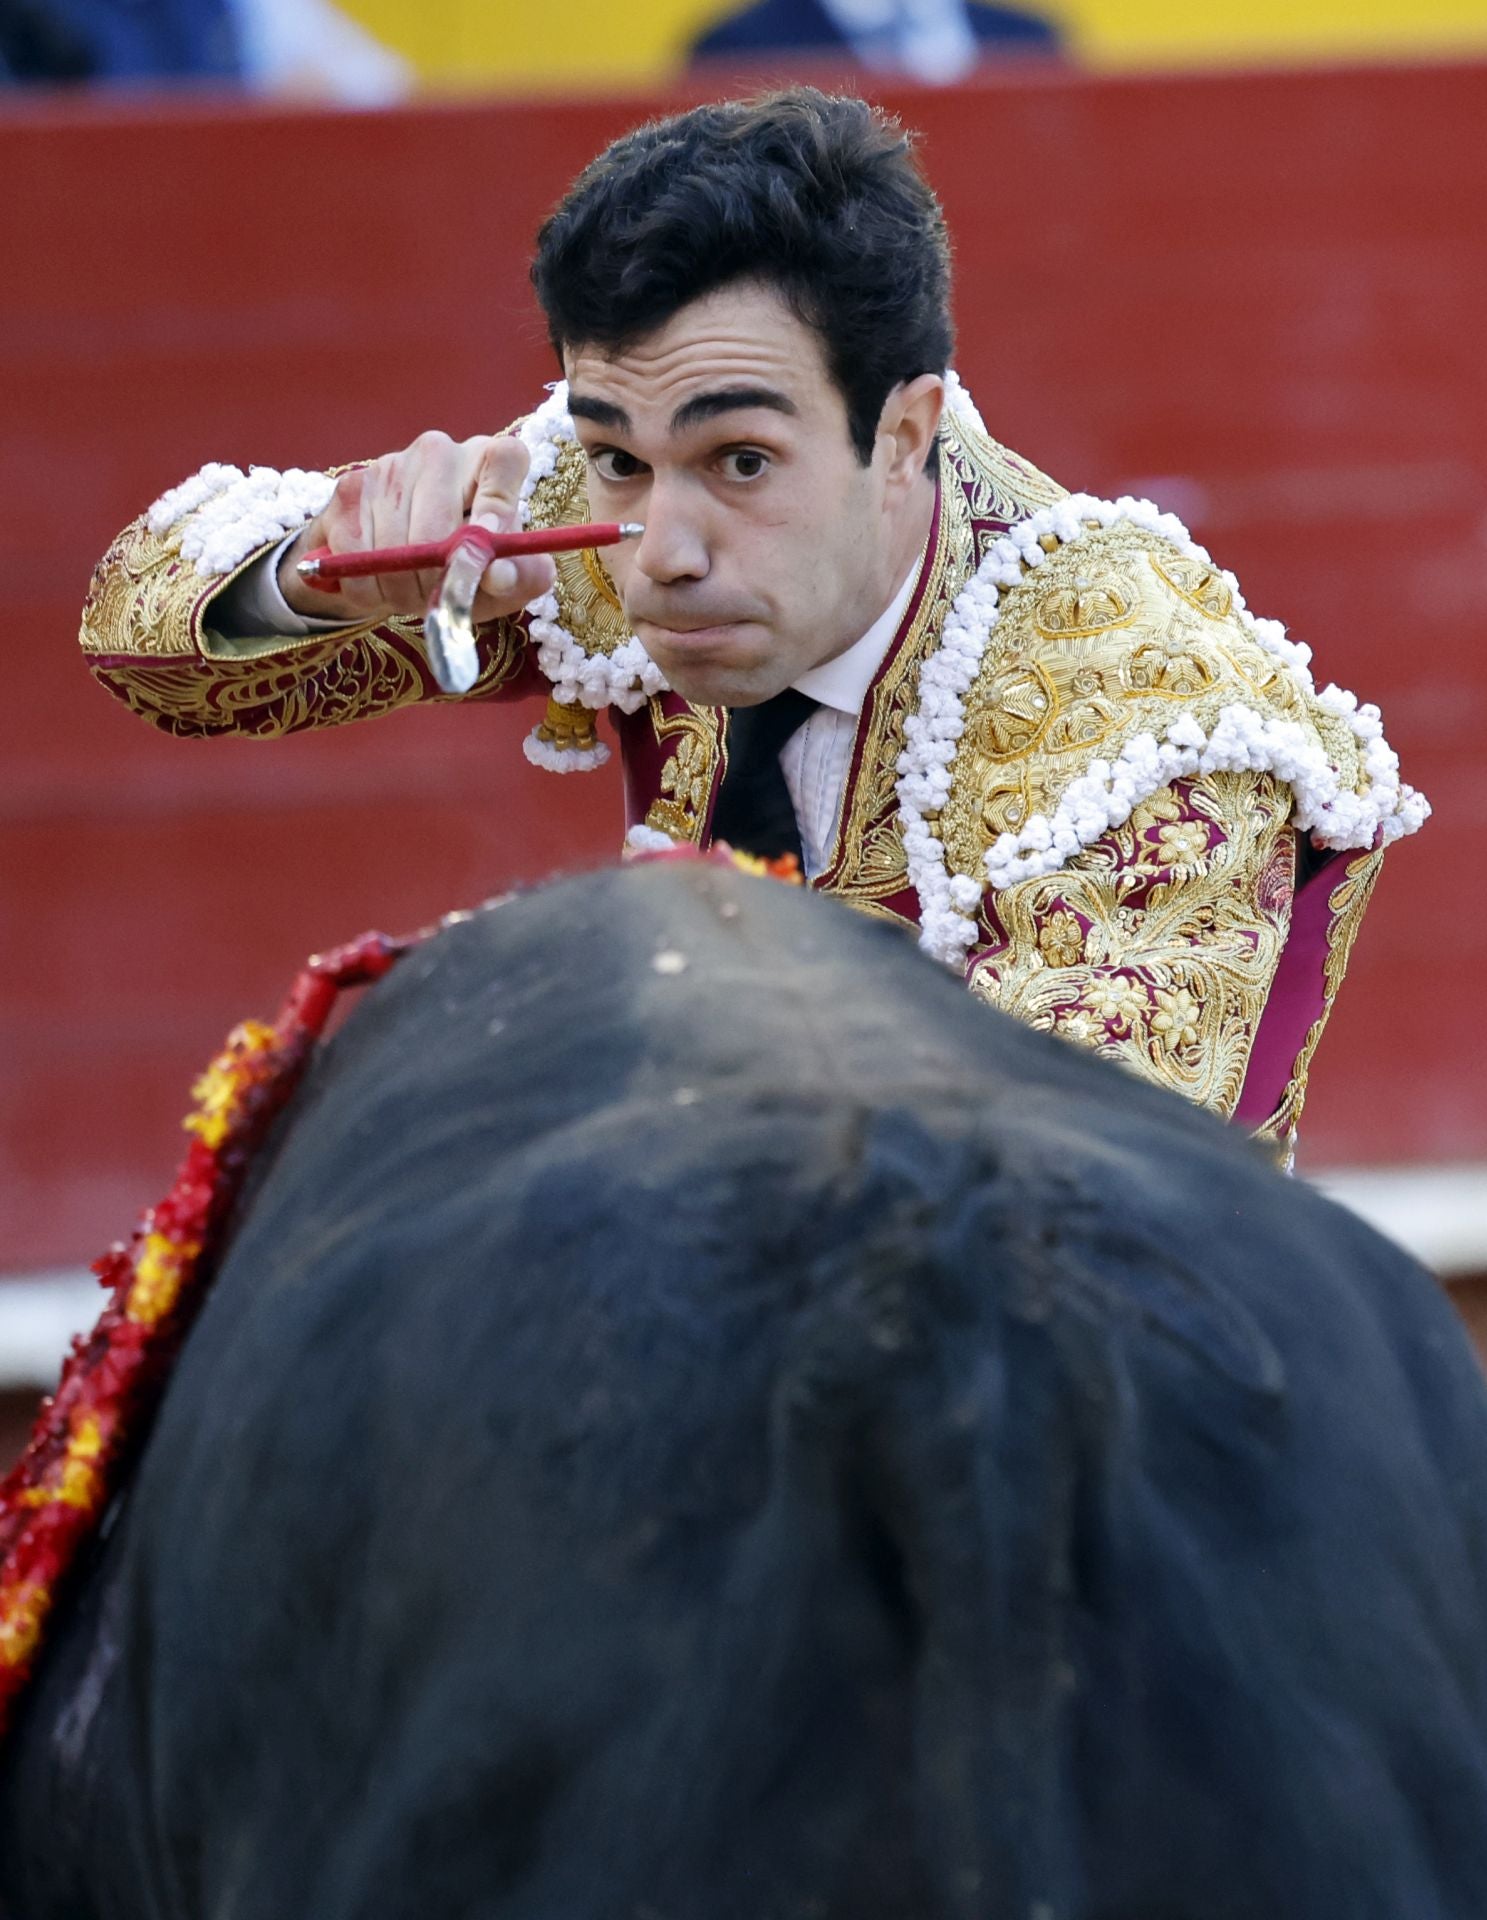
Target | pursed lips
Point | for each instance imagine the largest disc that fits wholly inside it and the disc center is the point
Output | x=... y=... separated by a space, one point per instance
x=689 y=623
x=694 y=630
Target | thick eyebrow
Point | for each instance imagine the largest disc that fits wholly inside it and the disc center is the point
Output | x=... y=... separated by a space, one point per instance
x=603 y=413
x=707 y=406
x=692 y=413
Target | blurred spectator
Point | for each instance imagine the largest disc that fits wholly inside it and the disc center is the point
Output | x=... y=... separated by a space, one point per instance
x=310 y=49
x=60 y=41
x=306 y=48
x=933 y=40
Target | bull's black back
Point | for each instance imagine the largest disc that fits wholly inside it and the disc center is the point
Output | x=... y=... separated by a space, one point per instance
x=702 y=1421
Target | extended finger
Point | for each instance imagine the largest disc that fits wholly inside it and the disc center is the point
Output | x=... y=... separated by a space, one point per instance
x=389 y=492
x=496 y=492
x=435 y=504
x=348 y=524
x=509 y=585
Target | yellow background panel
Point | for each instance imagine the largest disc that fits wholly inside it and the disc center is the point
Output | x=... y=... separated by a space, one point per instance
x=475 y=43
x=1124 y=33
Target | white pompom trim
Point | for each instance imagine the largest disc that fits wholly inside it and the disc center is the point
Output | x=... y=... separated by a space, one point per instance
x=644 y=839
x=626 y=678
x=544 y=434
x=228 y=514
x=177 y=502
x=960 y=403
x=555 y=759
x=1106 y=794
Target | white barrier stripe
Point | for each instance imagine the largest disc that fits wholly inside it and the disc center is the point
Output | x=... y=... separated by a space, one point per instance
x=1438 y=1213
x=39 y=1314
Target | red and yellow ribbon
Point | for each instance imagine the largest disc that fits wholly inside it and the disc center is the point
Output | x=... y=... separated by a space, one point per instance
x=88 y=1432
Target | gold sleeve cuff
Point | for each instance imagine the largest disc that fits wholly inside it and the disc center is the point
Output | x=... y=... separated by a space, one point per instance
x=145 y=602
x=144 y=635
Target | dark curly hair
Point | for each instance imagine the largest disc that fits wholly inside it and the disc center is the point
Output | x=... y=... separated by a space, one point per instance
x=816 y=195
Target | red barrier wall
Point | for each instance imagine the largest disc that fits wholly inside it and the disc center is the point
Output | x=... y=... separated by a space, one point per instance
x=1262 y=299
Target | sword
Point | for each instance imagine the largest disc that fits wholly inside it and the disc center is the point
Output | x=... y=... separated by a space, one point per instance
x=462 y=556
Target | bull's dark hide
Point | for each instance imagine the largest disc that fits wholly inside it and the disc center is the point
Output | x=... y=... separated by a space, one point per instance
x=705 y=1422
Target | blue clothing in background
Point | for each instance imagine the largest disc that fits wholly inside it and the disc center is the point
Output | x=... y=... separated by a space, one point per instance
x=60 y=41
x=799 y=26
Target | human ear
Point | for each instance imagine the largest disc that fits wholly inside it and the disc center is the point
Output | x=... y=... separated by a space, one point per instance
x=909 y=421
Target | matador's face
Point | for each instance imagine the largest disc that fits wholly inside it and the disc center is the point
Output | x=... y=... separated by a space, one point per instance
x=768 y=547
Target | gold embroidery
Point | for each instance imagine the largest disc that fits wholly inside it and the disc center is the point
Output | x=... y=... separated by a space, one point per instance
x=23 y=1608
x=1061 y=940
x=142 y=624
x=998 y=484
x=1098 y=644
x=1086 y=608
x=142 y=599
x=687 y=777
x=145 y=605
x=588 y=605
x=1346 y=905
x=869 y=862
x=341 y=678
x=1157 y=944
x=571 y=729
x=979 y=479
x=146 y=602
x=1198 y=584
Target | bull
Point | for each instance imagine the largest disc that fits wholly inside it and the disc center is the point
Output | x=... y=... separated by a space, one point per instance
x=699 y=1420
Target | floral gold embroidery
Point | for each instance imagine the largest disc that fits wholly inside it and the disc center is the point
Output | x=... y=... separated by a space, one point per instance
x=1116 y=1003
x=1184 y=844
x=687 y=777
x=1176 y=959
x=142 y=599
x=1175 y=1022
x=347 y=677
x=1061 y=940
x=1199 y=585
x=997 y=484
x=1171 y=670
x=1085 y=608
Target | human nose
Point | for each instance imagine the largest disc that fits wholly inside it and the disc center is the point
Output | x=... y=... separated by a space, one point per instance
x=673 y=546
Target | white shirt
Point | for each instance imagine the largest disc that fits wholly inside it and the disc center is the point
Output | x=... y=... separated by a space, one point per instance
x=815 y=760
x=254 y=606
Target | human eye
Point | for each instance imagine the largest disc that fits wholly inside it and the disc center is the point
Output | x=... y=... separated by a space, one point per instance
x=744 y=463
x=615 y=465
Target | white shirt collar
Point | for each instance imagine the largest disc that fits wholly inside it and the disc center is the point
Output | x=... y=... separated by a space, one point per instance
x=842 y=683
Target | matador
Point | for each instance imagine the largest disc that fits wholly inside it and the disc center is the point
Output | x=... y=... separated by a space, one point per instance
x=1040 y=727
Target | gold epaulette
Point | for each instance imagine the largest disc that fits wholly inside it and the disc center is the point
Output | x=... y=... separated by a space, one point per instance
x=1114 y=635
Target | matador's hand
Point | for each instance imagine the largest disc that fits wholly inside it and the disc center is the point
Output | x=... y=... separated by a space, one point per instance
x=422 y=493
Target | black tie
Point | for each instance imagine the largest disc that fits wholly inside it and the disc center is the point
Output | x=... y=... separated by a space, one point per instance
x=754 y=812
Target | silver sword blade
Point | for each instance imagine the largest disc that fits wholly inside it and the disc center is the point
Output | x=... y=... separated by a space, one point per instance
x=449 y=624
